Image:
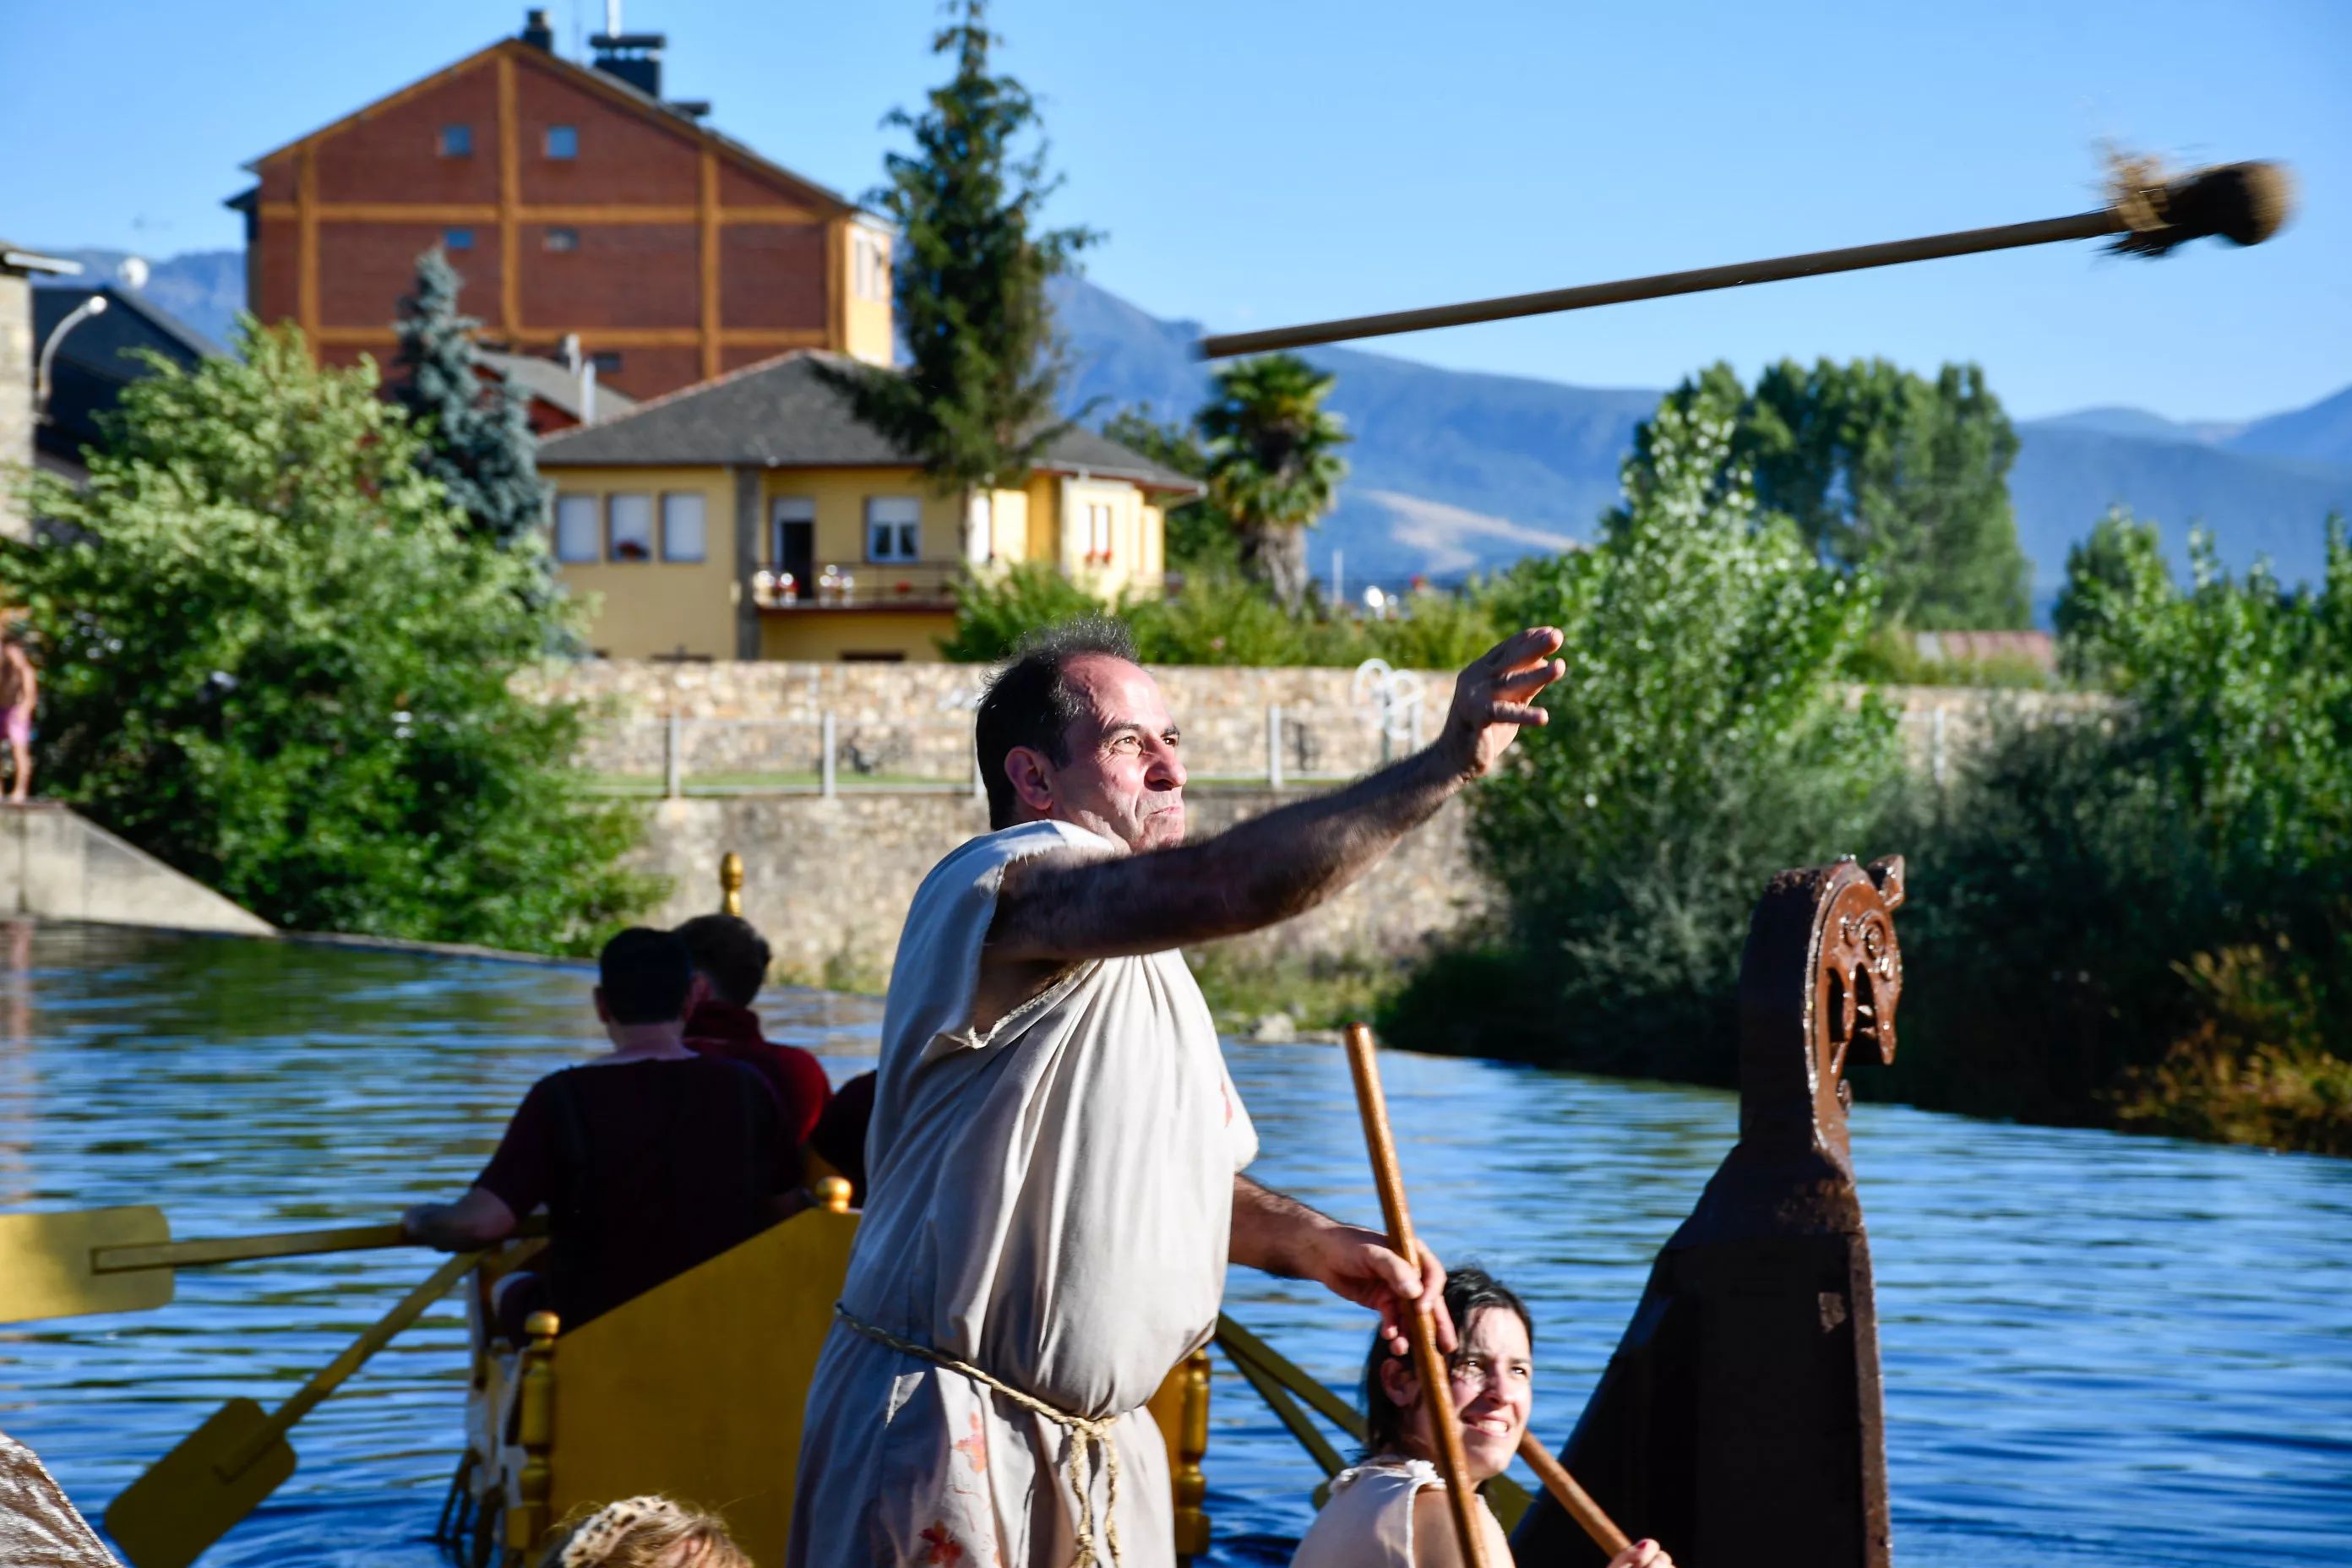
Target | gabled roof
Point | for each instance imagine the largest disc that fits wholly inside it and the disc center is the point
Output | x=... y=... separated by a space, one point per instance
x=780 y=414
x=551 y=383
x=592 y=80
x=99 y=342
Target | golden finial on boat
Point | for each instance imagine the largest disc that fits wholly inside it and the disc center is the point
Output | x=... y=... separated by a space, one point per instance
x=730 y=883
x=832 y=1193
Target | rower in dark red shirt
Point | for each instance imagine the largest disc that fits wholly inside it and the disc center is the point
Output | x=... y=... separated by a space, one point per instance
x=731 y=962
x=649 y=1160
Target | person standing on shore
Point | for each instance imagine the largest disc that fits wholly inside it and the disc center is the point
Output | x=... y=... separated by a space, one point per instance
x=1054 y=1161
x=20 y=692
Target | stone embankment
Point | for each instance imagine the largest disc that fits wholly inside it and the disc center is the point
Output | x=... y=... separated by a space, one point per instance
x=836 y=836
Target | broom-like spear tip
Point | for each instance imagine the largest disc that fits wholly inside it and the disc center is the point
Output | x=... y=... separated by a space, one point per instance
x=2242 y=203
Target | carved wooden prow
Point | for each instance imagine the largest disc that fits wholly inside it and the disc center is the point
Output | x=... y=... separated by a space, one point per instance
x=1739 y=1421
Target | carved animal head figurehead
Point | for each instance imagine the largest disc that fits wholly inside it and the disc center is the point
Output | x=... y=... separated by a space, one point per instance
x=1820 y=977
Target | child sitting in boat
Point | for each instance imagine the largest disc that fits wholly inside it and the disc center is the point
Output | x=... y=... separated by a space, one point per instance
x=1388 y=1510
x=650 y=1159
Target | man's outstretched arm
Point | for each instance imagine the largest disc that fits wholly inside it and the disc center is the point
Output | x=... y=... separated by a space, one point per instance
x=1069 y=907
x=1282 y=1236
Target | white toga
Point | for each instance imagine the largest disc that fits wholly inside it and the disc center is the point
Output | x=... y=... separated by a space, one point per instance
x=1049 y=1200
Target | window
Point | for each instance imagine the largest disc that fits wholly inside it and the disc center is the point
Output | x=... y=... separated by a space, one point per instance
x=632 y=518
x=894 y=528
x=576 y=528
x=563 y=141
x=606 y=361
x=456 y=141
x=981 y=536
x=682 y=525
x=457 y=239
x=869 y=265
x=1097 y=531
x=561 y=239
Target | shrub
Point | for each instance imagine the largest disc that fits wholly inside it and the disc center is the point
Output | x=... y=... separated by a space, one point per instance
x=278 y=659
x=2148 y=919
x=1698 y=744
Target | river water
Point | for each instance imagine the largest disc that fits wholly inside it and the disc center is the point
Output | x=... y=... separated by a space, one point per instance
x=2098 y=1350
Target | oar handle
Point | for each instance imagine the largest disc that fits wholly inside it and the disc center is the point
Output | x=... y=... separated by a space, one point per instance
x=278 y=1244
x=332 y=1377
x=1572 y=1496
x=1421 y=1332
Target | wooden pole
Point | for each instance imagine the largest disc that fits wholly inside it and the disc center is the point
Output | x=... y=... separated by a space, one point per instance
x=1968 y=242
x=1436 y=1378
x=1574 y=1498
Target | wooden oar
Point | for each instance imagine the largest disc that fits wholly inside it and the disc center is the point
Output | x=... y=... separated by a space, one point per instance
x=1572 y=1496
x=81 y=1261
x=226 y=1468
x=2242 y=203
x=1436 y=1380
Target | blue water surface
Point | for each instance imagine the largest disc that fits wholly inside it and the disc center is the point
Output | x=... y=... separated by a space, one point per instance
x=2097 y=1349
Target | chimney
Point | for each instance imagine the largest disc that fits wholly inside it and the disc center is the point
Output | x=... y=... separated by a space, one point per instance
x=537 y=33
x=632 y=57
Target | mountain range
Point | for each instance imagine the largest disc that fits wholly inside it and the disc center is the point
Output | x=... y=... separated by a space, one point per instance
x=1454 y=471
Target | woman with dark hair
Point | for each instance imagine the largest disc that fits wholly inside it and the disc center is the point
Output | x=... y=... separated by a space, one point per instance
x=1388 y=1510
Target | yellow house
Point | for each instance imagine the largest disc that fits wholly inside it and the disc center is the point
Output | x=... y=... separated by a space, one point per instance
x=754 y=515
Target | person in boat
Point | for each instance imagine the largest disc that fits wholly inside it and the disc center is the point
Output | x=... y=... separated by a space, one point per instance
x=1389 y=1510
x=649 y=1158
x=1055 y=1162
x=731 y=963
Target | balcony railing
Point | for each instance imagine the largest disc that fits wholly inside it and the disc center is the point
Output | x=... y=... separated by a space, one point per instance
x=862 y=586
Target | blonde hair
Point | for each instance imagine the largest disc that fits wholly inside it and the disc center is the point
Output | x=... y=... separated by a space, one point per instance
x=645 y=1533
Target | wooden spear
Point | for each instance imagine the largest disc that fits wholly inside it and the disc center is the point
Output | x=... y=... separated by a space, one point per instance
x=2242 y=203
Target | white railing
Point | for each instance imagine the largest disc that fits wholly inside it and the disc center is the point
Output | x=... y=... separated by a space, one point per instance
x=837 y=753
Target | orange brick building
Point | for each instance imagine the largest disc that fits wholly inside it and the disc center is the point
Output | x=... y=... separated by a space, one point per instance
x=576 y=202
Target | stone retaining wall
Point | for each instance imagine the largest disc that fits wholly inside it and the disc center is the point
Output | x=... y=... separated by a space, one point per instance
x=828 y=881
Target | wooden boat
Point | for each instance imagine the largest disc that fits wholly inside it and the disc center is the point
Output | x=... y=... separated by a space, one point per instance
x=694 y=1389
x=1739 y=1421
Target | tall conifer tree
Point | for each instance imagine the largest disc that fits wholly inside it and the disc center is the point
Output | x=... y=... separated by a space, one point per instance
x=479 y=443
x=976 y=403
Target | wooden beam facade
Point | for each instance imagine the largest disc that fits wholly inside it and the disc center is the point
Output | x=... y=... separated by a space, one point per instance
x=510 y=199
x=710 y=249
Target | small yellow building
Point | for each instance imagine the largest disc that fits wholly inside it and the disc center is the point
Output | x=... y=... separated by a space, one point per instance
x=755 y=516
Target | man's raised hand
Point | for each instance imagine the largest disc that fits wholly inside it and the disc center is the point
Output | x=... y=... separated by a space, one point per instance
x=1497 y=695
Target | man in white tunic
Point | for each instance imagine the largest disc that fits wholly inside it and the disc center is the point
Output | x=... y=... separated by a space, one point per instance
x=1054 y=1163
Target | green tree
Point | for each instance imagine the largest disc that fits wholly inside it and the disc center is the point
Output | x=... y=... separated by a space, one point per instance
x=1200 y=537
x=976 y=401
x=1274 y=463
x=478 y=435
x=2141 y=913
x=1882 y=468
x=278 y=659
x=1699 y=742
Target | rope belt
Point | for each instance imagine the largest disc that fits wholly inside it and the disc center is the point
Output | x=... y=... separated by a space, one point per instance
x=1085 y=1432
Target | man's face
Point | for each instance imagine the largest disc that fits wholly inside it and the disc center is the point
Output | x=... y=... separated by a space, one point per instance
x=1123 y=778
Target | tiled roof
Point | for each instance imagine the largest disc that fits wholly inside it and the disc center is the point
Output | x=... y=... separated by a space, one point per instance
x=781 y=414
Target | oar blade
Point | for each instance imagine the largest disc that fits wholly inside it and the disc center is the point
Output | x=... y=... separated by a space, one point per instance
x=45 y=1263
x=187 y=1499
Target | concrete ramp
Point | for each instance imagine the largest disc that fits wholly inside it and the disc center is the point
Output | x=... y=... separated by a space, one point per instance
x=57 y=866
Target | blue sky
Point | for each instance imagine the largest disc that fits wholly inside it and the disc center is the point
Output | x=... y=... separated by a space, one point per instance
x=1260 y=164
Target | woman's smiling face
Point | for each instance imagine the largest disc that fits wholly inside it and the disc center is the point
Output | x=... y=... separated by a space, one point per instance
x=1494 y=1392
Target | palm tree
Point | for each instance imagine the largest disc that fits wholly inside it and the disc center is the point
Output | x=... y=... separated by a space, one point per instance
x=1274 y=463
